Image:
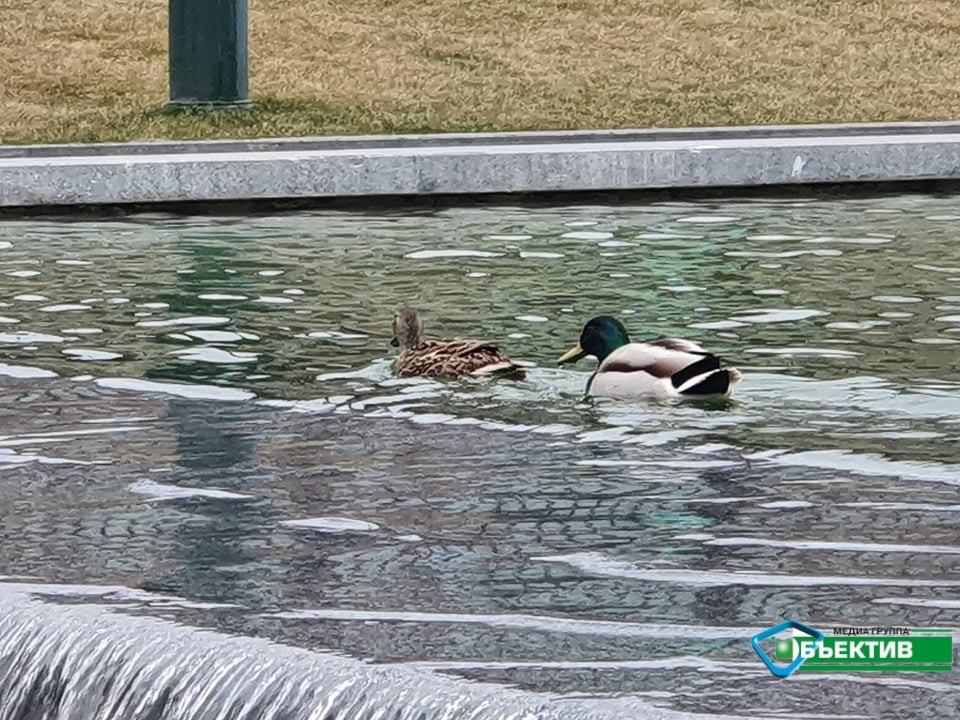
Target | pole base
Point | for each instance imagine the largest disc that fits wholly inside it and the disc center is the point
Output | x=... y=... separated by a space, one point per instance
x=208 y=105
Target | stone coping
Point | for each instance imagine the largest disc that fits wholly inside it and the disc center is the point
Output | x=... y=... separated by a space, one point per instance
x=476 y=164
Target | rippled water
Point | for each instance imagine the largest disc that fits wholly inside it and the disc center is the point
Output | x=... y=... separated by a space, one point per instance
x=200 y=409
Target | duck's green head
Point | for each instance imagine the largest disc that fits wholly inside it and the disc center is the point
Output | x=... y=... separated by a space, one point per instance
x=600 y=337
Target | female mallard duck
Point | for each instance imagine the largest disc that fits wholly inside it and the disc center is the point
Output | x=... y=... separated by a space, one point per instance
x=662 y=368
x=443 y=358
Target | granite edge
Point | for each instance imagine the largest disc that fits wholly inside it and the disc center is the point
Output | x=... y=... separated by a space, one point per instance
x=489 y=164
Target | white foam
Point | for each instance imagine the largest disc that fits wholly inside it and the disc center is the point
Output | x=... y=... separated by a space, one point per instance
x=699 y=664
x=851 y=240
x=29 y=338
x=839 y=545
x=159 y=491
x=518 y=621
x=868 y=464
x=215 y=356
x=437 y=254
x=717 y=325
x=61 y=435
x=220 y=296
x=193 y=392
x=317 y=406
x=91 y=355
x=795 y=351
x=775 y=315
x=592 y=563
x=335 y=334
x=540 y=255
x=932 y=507
x=681 y=288
x=508 y=237
x=214 y=335
x=896 y=299
x=773 y=237
x=668 y=236
x=431 y=418
x=24 y=372
x=786 y=504
x=189 y=320
x=65 y=307
x=9 y=457
x=332 y=525
x=861 y=325
x=587 y=235
x=708 y=219
x=821 y=252
x=932 y=603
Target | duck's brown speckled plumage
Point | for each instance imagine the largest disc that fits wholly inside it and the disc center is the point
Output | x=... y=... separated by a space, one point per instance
x=444 y=358
x=449 y=358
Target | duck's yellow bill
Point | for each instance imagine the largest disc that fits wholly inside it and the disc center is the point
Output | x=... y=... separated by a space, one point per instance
x=572 y=355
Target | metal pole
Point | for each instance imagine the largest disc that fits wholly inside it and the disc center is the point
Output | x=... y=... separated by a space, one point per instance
x=208 y=53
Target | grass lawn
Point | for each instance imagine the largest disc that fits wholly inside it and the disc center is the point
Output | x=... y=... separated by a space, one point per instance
x=91 y=70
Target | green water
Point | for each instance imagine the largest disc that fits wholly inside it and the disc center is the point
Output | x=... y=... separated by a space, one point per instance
x=513 y=519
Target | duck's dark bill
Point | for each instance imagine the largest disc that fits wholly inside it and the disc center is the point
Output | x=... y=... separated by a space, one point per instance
x=572 y=355
x=394 y=342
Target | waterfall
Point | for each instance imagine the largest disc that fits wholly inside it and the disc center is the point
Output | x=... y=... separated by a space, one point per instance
x=88 y=662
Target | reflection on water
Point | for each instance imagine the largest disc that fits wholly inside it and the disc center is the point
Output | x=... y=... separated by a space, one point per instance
x=202 y=410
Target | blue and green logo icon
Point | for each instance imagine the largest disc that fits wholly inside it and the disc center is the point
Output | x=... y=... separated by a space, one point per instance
x=784 y=671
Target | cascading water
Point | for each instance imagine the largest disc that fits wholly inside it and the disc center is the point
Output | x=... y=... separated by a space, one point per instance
x=81 y=662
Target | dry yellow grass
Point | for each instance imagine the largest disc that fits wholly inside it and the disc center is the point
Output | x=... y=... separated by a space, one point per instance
x=96 y=69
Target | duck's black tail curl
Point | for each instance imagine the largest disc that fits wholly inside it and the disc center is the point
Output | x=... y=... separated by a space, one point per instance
x=717 y=382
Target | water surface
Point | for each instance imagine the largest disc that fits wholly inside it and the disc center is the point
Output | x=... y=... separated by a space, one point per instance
x=200 y=410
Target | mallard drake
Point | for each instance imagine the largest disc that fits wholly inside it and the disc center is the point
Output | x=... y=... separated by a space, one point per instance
x=662 y=368
x=443 y=358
